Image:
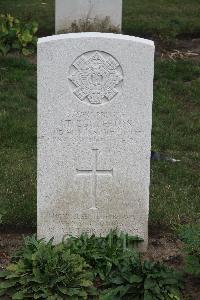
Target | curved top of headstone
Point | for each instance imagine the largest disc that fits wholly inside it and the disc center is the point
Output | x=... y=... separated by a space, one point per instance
x=97 y=35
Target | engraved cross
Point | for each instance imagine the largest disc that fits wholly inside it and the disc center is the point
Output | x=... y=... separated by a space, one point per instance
x=94 y=171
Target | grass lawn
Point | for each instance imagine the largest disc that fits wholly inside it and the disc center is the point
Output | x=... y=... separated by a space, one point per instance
x=163 y=19
x=174 y=187
x=17 y=141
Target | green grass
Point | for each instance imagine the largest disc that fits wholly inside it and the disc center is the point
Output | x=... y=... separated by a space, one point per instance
x=17 y=141
x=174 y=187
x=163 y=19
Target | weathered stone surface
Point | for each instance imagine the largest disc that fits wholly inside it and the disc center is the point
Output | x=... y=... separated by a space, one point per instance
x=68 y=11
x=95 y=96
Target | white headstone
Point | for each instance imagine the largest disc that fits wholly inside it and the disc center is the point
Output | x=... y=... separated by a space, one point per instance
x=68 y=11
x=95 y=96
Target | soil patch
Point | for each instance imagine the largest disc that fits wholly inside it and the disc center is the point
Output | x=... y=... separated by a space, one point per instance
x=181 y=49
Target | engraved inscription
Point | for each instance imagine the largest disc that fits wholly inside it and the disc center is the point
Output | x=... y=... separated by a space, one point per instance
x=96 y=77
x=94 y=171
x=96 y=126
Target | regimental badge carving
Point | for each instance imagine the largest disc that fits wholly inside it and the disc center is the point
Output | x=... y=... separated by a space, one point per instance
x=96 y=77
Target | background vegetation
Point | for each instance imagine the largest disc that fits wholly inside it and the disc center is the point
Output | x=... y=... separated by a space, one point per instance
x=159 y=18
